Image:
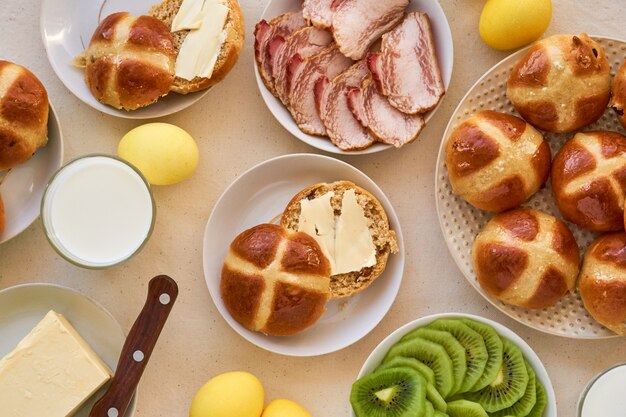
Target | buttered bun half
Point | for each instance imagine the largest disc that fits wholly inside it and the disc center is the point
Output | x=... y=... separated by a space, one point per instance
x=23 y=114
x=339 y=213
x=233 y=37
x=602 y=282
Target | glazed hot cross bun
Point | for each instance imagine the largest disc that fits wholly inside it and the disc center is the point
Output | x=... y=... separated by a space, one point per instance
x=562 y=83
x=496 y=161
x=589 y=179
x=526 y=258
x=23 y=114
x=130 y=61
x=275 y=281
x=602 y=282
x=618 y=94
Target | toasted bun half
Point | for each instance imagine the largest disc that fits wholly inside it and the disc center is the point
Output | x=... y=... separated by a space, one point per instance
x=234 y=27
x=385 y=241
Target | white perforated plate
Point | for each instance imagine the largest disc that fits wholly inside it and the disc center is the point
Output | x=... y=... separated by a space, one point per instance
x=460 y=222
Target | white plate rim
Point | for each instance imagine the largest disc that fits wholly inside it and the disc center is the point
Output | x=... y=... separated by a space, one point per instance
x=515 y=55
x=377 y=354
x=323 y=143
x=103 y=108
x=132 y=408
x=393 y=220
x=58 y=135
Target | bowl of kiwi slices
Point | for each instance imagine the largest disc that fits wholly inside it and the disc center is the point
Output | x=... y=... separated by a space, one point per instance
x=456 y=365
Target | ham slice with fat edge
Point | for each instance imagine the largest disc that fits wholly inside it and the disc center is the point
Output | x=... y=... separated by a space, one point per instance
x=318 y=12
x=357 y=24
x=282 y=25
x=406 y=69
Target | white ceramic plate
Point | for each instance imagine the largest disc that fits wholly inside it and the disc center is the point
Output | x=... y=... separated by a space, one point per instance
x=460 y=222
x=23 y=306
x=66 y=29
x=377 y=355
x=445 y=55
x=24 y=185
x=262 y=193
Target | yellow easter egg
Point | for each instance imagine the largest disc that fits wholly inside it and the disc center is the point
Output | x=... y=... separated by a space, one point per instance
x=233 y=394
x=509 y=24
x=165 y=154
x=285 y=408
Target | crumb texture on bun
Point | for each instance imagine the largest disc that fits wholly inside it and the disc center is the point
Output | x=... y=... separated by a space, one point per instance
x=526 y=258
x=562 y=83
x=602 y=282
x=23 y=114
x=129 y=62
x=384 y=239
x=496 y=161
x=275 y=281
x=229 y=54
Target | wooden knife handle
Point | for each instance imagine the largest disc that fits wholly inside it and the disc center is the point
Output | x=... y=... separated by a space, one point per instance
x=162 y=292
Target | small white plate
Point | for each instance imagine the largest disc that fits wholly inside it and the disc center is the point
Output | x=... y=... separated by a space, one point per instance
x=23 y=306
x=24 y=185
x=262 y=193
x=377 y=355
x=443 y=46
x=66 y=29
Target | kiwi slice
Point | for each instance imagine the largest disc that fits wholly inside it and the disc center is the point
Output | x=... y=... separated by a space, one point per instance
x=509 y=385
x=430 y=410
x=493 y=343
x=525 y=404
x=542 y=400
x=476 y=354
x=435 y=398
x=397 y=392
x=400 y=361
x=432 y=355
x=453 y=348
x=464 y=408
x=440 y=414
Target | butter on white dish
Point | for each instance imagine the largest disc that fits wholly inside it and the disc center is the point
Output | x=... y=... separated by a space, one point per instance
x=51 y=372
x=345 y=239
x=201 y=48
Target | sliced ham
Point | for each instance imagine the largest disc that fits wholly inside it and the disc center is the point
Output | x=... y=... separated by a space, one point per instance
x=318 y=12
x=406 y=69
x=357 y=24
x=283 y=26
x=344 y=130
x=302 y=75
x=305 y=42
x=387 y=123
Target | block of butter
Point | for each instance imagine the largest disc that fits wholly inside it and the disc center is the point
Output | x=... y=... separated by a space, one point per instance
x=51 y=372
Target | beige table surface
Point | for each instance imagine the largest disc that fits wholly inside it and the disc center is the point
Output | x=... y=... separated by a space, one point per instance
x=235 y=131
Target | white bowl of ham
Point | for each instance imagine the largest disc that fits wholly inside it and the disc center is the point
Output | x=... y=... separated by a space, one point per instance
x=340 y=94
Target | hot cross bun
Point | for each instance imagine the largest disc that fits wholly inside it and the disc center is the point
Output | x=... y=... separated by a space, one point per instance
x=496 y=161
x=23 y=114
x=562 y=83
x=618 y=94
x=275 y=281
x=602 y=282
x=130 y=61
x=589 y=180
x=526 y=258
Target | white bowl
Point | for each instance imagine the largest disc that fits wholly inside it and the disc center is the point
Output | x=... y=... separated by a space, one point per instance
x=445 y=54
x=66 y=29
x=23 y=306
x=258 y=196
x=24 y=185
x=377 y=355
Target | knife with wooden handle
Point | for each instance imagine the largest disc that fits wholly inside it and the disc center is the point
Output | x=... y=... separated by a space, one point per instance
x=162 y=293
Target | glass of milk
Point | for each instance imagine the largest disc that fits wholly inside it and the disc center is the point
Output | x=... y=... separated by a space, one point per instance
x=605 y=395
x=98 y=211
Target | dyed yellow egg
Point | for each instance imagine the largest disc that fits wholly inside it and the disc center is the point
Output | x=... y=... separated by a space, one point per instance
x=509 y=24
x=231 y=394
x=165 y=154
x=285 y=408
